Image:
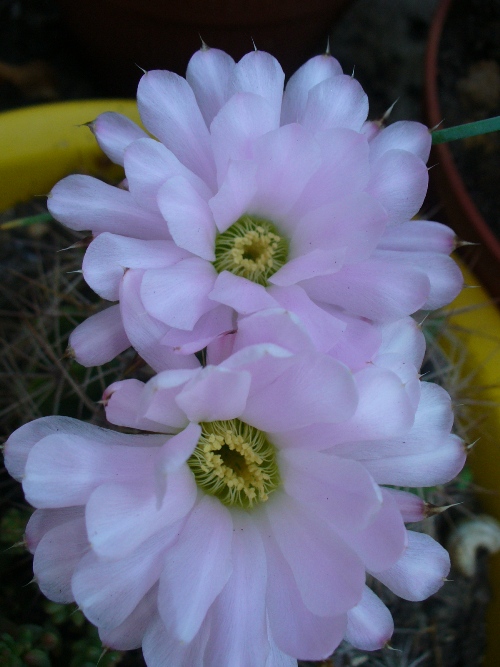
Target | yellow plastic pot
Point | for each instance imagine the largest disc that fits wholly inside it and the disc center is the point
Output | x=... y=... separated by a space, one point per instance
x=475 y=322
x=40 y=145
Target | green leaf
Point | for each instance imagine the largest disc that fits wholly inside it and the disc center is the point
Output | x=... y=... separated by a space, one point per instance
x=467 y=130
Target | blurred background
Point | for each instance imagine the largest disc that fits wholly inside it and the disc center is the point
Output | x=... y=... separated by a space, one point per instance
x=59 y=49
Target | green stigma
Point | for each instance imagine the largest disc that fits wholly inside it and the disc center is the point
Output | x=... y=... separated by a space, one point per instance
x=251 y=248
x=235 y=462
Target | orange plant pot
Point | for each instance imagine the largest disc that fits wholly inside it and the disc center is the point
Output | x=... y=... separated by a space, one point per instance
x=461 y=212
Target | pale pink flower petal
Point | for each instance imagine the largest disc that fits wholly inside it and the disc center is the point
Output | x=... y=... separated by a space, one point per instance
x=44 y=520
x=188 y=216
x=209 y=73
x=295 y=629
x=323 y=328
x=177 y=295
x=235 y=193
x=335 y=102
x=327 y=394
x=345 y=168
x=220 y=349
x=272 y=326
x=240 y=607
x=107 y=591
x=215 y=323
x=426 y=451
x=260 y=73
x=318 y=262
x=22 y=441
x=129 y=634
x=444 y=275
x=170 y=112
x=281 y=177
x=338 y=491
x=323 y=182
x=114 y=132
x=144 y=331
x=405 y=338
x=370 y=129
x=411 y=506
x=241 y=294
x=159 y=399
x=326 y=226
x=297 y=89
x=148 y=164
x=424 y=433
x=56 y=557
x=404 y=135
x=99 y=338
x=382 y=542
x=174 y=453
x=242 y=119
x=421 y=469
x=399 y=182
x=336 y=581
x=62 y=471
x=109 y=256
x=406 y=371
x=270 y=582
x=384 y=409
x=241 y=532
x=419 y=236
x=84 y=203
x=121 y=517
x=369 y=623
x=358 y=345
x=266 y=363
x=445 y=278
x=377 y=289
x=159 y=648
x=277 y=658
x=420 y=571
x=216 y=393
x=118 y=398
x=196 y=569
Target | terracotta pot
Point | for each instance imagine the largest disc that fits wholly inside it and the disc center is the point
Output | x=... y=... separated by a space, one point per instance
x=163 y=34
x=461 y=212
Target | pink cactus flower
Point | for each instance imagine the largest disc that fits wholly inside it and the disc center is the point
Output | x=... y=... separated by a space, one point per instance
x=250 y=198
x=240 y=529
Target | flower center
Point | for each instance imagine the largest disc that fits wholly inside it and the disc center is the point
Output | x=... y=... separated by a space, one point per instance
x=251 y=248
x=235 y=462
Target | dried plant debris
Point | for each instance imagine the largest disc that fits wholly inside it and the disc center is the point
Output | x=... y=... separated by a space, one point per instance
x=42 y=298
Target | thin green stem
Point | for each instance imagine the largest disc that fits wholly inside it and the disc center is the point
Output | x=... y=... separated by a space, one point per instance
x=467 y=130
x=26 y=222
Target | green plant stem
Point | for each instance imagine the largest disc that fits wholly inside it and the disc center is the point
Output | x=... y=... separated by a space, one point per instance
x=26 y=222
x=467 y=130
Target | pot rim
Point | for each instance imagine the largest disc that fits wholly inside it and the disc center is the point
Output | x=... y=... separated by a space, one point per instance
x=435 y=117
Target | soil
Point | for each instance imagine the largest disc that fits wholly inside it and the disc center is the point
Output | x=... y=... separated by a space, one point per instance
x=469 y=84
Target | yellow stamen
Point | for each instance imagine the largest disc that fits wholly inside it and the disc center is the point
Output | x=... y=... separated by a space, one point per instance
x=235 y=462
x=251 y=248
